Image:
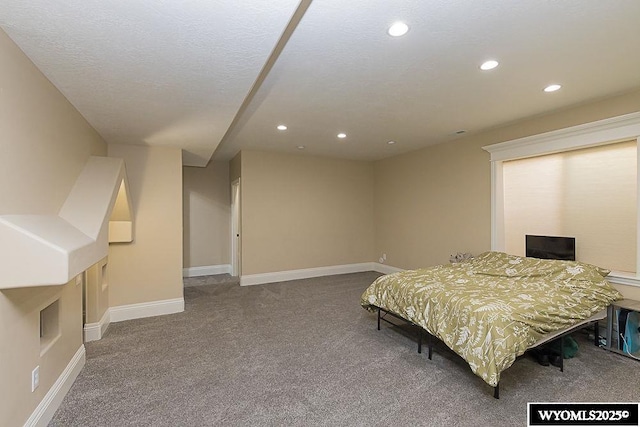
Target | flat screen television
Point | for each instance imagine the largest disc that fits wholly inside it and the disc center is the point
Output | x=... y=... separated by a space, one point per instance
x=551 y=247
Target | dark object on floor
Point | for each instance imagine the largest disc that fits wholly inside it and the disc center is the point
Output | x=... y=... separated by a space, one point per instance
x=541 y=356
x=550 y=353
x=546 y=358
x=555 y=360
x=570 y=347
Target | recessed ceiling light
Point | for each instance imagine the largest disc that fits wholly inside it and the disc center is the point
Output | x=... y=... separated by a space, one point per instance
x=489 y=65
x=552 y=88
x=391 y=142
x=282 y=127
x=398 y=29
x=300 y=147
x=342 y=135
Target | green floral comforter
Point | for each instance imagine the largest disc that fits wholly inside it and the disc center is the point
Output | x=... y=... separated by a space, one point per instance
x=491 y=309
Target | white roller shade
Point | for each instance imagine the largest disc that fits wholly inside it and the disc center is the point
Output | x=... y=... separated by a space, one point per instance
x=589 y=194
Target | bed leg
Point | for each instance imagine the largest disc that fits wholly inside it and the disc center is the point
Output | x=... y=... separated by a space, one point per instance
x=419 y=340
x=430 y=344
x=596 y=332
x=378 y=318
x=496 y=391
x=562 y=354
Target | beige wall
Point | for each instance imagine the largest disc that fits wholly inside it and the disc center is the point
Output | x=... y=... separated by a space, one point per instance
x=303 y=212
x=150 y=268
x=235 y=167
x=97 y=291
x=207 y=215
x=44 y=143
x=432 y=203
x=20 y=349
x=437 y=201
x=631 y=292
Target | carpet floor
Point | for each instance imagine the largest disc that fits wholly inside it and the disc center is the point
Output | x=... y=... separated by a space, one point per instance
x=304 y=353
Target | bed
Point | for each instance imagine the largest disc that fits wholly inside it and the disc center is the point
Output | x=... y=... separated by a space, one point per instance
x=493 y=308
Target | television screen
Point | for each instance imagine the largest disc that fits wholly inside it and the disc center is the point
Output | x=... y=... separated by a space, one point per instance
x=551 y=247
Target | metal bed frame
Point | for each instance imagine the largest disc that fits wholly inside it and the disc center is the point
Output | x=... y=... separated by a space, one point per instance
x=496 y=390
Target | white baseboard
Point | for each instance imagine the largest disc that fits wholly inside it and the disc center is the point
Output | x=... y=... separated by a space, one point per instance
x=385 y=269
x=146 y=309
x=95 y=331
x=306 y=273
x=47 y=408
x=207 y=270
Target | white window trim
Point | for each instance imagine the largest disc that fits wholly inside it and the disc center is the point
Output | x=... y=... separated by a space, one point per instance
x=601 y=132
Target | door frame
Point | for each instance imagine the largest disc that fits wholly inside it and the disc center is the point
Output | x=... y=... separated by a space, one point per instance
x=236 y=227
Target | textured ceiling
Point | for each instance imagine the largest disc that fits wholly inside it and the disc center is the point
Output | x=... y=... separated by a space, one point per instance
x=193 y=74
x=155 y=72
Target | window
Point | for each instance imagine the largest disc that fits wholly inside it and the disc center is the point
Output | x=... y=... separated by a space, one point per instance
x=589 y=194
x=572 y=151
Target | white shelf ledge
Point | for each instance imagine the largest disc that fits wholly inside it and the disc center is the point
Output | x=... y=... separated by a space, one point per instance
x=42 y=250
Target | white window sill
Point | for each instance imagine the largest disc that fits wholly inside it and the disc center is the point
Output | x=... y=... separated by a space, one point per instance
x=624 y=278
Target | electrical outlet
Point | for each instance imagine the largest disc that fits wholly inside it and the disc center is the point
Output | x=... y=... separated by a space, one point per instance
x=35 y=378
